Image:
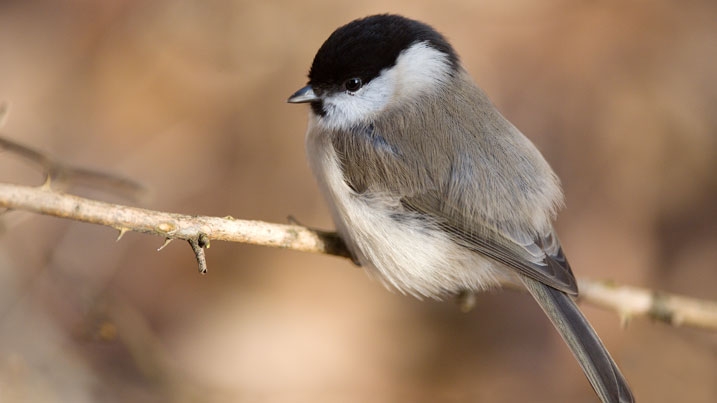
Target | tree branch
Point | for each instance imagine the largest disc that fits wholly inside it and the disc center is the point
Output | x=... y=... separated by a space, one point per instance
x=628 y=302
x=663 y=307
x=169 y=225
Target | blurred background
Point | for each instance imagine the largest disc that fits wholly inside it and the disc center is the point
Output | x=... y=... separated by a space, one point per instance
x=188 y=98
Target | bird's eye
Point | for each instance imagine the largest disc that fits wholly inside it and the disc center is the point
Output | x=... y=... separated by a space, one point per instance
x=353 y=84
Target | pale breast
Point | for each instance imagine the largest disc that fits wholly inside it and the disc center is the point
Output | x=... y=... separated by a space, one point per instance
x=407 y=252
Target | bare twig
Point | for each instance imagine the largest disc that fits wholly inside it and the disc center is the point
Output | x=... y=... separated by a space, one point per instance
x=62 y=176
x=199 y=254
x=169 y=225
x=628 y=302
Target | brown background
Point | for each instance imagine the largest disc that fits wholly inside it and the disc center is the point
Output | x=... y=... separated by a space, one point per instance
x=188 y=97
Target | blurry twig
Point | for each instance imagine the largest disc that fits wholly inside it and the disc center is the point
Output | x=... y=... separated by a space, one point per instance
x=628 y=302
x=61 y=176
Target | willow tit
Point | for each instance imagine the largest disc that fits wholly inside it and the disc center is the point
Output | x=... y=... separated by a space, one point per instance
x=430 y=186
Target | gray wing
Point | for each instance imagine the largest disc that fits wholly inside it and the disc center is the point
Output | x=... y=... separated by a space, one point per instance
x=540 y=258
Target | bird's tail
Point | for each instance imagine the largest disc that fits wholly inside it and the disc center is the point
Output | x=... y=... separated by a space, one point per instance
x=593 y=357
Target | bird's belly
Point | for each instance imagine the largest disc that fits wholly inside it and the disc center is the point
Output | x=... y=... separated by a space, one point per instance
x=408 y=252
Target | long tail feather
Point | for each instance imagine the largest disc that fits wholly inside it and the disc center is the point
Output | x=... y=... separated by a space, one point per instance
x=600 y=369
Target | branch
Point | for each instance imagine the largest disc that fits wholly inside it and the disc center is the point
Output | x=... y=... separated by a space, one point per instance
x=663 y=307
x=198 y=230
x=628 y=302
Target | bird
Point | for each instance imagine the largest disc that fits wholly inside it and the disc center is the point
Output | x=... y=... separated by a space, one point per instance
x=430 y=187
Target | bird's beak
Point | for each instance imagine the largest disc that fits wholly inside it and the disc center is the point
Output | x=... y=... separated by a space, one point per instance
x=303 y=95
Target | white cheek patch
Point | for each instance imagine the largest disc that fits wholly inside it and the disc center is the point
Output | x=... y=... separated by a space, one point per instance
x=419 y=70
x=422 y=69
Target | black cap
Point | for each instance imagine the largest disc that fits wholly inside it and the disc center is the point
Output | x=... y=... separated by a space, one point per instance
x=364 y=47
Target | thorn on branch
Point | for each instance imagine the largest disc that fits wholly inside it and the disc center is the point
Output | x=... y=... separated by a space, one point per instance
x=624 y=318
x=4 y=108
x=122 y=231
x=198 y=248
x=166 y=242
